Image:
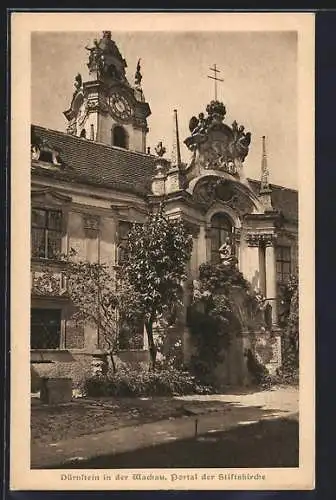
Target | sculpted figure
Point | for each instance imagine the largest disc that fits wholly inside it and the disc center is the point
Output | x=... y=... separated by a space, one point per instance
x=226 y=253
x=138 y=75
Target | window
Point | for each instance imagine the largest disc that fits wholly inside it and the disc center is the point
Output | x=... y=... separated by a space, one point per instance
x=119 y=137
x=46 y=156
x=45 y=329
x=221 y=228
x=83 y=134
x=46 y=233
x=283 y=263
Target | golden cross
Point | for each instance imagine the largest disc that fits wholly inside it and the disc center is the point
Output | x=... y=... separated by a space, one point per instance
x=215 y=70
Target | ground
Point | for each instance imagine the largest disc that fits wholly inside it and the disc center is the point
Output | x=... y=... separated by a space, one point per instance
x=188 y=431
x=265 y=444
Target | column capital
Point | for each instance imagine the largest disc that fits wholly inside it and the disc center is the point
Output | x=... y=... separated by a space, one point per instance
x=254 y=239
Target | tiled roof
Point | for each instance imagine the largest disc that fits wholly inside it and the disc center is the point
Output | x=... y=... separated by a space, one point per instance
x=95 y=163
x=283 y=199
x=109 y=166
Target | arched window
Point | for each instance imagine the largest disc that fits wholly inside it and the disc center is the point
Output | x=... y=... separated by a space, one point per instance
x=221 y=228
x=83 y=134
x=119 y=137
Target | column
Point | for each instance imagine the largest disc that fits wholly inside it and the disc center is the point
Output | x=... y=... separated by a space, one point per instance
x=202 y=245
x=208 y=243
x=271 y=282
x=251 y=262
x=262 y=268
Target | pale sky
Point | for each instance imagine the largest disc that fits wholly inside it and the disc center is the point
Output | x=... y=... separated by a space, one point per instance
x=259 y=88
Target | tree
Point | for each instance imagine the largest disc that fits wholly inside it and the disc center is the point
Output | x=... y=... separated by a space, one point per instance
x=96 y=295
x=92 y=290
x=155 y=267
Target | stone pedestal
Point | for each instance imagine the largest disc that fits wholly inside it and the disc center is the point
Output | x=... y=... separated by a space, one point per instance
x=56 y=390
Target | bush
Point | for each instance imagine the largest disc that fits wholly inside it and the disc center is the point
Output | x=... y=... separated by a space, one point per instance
x=130 y=382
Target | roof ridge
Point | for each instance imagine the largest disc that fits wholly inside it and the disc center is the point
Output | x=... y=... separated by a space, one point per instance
x=274 y=185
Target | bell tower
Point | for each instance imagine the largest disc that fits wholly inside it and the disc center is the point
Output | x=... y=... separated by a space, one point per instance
x=105 y=107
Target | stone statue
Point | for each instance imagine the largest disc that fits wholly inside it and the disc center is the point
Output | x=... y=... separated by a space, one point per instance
x=78 y=81
x=240 y=145
x=226 y=252
x=96 y=59
x=138 y=75
x=160 y=150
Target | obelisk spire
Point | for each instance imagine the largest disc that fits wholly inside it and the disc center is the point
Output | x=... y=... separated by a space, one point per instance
x=176 y=151
x=264 y=184
x=265 y=188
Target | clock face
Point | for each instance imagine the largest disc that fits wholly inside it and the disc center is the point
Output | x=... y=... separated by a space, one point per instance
x=120 y=106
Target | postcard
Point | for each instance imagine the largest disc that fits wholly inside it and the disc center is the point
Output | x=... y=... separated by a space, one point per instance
x=162 y=251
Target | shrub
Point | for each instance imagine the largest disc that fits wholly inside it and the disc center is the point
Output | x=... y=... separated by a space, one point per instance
x=130 y=382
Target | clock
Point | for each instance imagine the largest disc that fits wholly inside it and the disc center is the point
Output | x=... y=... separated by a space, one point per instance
x=120 y=106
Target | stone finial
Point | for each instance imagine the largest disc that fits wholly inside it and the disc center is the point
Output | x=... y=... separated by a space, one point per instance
x=138 y=75
x=265 y=189
x=264 y=184
x=160 y=150
x=176 y=151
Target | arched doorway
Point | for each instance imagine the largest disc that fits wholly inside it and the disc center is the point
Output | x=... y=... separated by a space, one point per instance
x=119 y=137
x=221 y=229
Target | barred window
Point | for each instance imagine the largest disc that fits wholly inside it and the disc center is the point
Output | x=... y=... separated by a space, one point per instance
x=45 y=329
x=283 y=263
x=46 y=233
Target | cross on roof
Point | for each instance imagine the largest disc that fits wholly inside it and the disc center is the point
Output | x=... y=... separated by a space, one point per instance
x=215 y=70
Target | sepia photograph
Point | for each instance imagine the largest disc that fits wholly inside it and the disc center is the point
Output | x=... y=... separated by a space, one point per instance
x=164 y=254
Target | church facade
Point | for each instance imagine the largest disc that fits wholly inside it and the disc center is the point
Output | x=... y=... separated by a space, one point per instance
x=91 y=182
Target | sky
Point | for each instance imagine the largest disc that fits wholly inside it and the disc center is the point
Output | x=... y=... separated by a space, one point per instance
x=259 y=88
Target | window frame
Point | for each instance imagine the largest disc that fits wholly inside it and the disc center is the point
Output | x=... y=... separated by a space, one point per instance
x=47 y=230
x=280 y=260
x=44 y=311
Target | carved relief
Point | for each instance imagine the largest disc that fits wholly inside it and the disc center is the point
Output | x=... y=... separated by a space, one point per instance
x=213 y=189
x=215 y=145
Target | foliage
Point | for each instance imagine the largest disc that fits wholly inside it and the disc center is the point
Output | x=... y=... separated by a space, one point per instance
x=215 y=315
x=141 y=382
x=290 y=345
x=157 y=253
